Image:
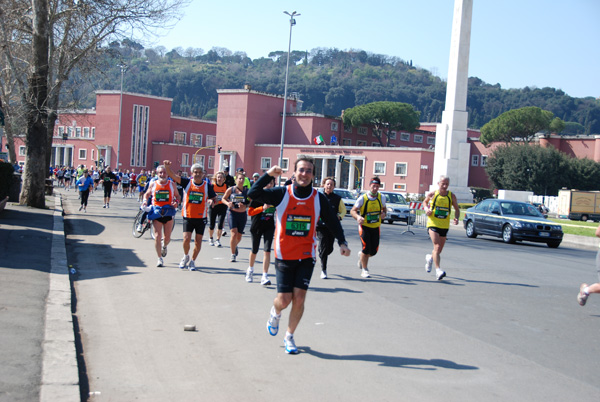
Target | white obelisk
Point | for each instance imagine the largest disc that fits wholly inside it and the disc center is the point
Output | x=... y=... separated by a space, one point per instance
x=452 y=151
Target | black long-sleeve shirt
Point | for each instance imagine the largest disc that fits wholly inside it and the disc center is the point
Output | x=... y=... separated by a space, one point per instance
x=274 y=196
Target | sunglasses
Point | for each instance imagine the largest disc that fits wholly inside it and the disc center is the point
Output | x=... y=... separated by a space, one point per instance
x=307 y=171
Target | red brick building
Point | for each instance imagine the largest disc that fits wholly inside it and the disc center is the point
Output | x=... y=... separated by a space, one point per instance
x=248 y=133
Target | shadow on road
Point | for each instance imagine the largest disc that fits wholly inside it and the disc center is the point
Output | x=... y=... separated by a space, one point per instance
x=393 y=361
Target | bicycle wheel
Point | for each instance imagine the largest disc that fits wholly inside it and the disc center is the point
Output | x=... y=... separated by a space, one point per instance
x=136 y=222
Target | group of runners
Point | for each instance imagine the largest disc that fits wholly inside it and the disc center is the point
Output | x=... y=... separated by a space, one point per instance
x=291 y=219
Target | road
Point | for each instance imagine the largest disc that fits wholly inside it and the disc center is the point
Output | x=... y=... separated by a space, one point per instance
x=504 y=324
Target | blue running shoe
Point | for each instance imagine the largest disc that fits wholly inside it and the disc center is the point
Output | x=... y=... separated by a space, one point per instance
x=290 y=346
x=273 y=323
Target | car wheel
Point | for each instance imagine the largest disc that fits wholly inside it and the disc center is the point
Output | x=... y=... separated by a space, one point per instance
x=471 y=230
x=507 y=234
x=584 y=218
x=553 y=244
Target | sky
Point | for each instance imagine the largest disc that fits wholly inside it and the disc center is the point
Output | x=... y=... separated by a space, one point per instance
x=514 y=43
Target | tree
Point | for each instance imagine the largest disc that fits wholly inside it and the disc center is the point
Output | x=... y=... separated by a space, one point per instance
x=519 y=124
x=525 y=167
x=384 y=117
x=73 y=36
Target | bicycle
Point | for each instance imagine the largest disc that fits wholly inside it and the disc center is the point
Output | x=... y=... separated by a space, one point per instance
x=144 y=226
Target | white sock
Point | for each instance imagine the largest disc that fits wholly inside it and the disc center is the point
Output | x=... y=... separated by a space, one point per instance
x=586 y=290
x=438 y=270
x=274 y=312
x=288 y=335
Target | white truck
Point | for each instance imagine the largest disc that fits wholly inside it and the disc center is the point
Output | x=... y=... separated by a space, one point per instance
x=579 y=205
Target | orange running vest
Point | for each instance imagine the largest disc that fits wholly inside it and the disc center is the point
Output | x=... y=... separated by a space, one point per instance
x=296 y=219
x=162 y=194
x=194 y=200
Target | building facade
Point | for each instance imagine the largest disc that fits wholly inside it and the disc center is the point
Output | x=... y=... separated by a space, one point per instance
x=137 y=131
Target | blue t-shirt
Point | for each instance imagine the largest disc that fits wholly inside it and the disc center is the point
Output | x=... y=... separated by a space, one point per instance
x=84 y=183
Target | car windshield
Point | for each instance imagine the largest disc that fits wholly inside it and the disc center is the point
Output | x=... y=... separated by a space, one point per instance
x=514 y=208
x=344 y=193
x=394 y=198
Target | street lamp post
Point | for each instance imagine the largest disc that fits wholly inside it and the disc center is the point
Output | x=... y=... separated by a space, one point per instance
x=287 y=69
x=123 y=67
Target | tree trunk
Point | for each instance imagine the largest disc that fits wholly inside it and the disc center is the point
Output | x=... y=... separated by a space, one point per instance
x=32 y=193
x=10 y=139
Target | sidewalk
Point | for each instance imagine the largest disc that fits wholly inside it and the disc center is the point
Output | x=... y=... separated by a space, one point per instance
x=36 y=328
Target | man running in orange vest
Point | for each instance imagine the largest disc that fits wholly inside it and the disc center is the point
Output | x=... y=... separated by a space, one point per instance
x=298 y=207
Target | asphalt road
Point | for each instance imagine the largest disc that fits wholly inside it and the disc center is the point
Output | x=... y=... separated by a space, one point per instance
x=503 y=325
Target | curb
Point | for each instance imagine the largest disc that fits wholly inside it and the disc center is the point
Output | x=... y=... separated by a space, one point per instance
x=60 y=375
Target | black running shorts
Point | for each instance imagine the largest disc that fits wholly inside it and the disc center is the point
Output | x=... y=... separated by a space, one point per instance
x=293 y=274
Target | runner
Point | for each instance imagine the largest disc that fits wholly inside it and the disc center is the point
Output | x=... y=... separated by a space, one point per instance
x=125 y=180
x=141 y=181
x=132 y=182
x=585 y=290
x=95 y=178
x=84 y=184
x=67 y=178
x=298 y=206
x=164 y=202
x=218 y=209
x=107 y=178
x=369 y=212
x=262 y=226
x=236 y=199
x=437 y=208
x=196 y=193
x=326 y=238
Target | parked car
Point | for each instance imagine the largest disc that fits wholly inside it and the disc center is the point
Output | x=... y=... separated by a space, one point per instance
x=348 y=197
x=397 y=208
x=512 y=221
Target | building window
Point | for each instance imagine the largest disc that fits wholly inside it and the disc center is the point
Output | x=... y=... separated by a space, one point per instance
x=93 y=132
x=61 y=131
x=404 y=137
x=400 y=168
x=418 y=138
x=474 y=160
x=346 y=141
x=392 y=135
x=376 y=133
x=70 y=132
x=334 y=126
x=484 y=160
x=360 y=143
x=83 y=154
x=285 y=163
x=196 y=139
x=375 y=144
x=92 y=155
x=211 y=140
x=199 y=159
x=265 y=163
x=379 y=168
x=21 y=151
x=77 y=132
x=363 y=131
x=185 y=159
x=86 y=132
x=211 y=162
x=347 y=128
x=139 y=135
x=430 y=140
x=400 y=187
x=179 y=137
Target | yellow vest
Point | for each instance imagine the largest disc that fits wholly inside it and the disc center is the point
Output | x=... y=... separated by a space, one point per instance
x=440 y=211
x=371 y=211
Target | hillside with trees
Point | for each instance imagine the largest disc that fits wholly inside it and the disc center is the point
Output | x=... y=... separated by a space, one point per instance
x=326 y=80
